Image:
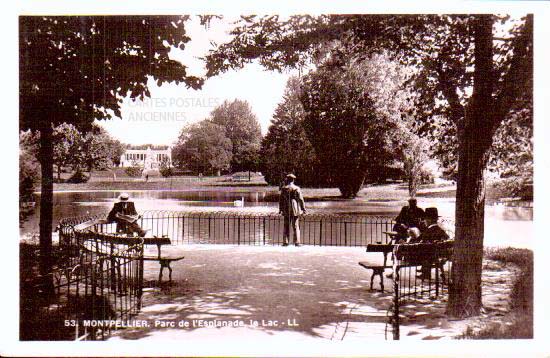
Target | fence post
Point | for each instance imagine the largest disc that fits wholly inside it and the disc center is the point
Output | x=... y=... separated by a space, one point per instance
x=321 y=232
x=238 y=231
x=396 y=278
x=263 y=230
x=345 y=233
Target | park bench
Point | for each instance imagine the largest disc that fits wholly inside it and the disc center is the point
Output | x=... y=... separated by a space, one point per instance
x=378 y=270
x=164 y=258
x=410 y=255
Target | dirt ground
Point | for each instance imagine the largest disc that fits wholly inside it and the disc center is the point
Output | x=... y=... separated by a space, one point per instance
x=292 y=295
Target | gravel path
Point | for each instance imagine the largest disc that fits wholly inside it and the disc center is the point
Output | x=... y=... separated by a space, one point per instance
x=317 y=295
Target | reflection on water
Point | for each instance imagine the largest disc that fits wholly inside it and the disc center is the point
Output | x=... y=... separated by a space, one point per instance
x=504 y=225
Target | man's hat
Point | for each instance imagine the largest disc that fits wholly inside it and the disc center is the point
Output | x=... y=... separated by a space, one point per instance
x=124 y=197
x=412 y=200
x=291 y=176
x=431 y=213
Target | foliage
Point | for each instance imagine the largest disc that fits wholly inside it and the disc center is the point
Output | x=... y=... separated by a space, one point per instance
x=75 y=69
x=135 y=170
x=62 y=73
x=78 y=177
x=203 y=148
x=343 y=123
x=67 y=150
x=29 y=175
x=241 y=126
x=99 y=149
x=471 y=70
x=29 y=167
x=286 y=148
x=521 y=299
x=164 y=167
x=93 y=150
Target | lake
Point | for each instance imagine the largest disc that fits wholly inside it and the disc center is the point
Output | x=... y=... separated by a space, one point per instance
x=505 y=226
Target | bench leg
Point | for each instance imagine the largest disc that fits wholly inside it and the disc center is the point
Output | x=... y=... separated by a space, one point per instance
x=371 y=279
x=160 y=273
x=379 y=273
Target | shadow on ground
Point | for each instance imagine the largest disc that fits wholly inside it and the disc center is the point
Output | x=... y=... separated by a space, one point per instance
x=312 y=293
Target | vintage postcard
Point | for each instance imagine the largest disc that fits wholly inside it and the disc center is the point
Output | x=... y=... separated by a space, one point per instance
x=279 y=182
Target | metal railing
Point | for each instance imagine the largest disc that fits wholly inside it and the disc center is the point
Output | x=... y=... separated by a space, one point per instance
x=251 y=228
x=97 y=283
x=432 y=261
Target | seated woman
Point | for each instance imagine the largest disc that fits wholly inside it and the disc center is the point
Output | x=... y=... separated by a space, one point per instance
x=125 y=215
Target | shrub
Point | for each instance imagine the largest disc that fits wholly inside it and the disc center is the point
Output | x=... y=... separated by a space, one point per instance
x=78 y=177
x=133 y=171
x=29 y=175
x=521 y=299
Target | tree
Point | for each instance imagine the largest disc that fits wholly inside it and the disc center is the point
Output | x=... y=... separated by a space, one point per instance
x=164 y=167
x=99 y=149
x=286 y=148
x=342 y=123
x=470 y=68
x=67 y=150
x=203 y=148
x=241 y=126
x=29 y=168
x=76 y=69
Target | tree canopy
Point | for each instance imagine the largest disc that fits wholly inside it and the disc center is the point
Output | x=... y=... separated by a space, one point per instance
x=472 y=70
x=81 y=67
x=350 y=136
x=286 y=147
x=241 y=126
x=74 y=69
x=203 y=148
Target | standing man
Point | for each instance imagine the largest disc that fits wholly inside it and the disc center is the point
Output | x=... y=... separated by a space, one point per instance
x=409 y=217
x=125 y=215
x=291 y=206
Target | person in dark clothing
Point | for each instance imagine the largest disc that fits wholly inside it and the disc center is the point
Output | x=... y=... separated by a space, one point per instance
x=125 y=215
x=431 y=234
x=291 y=206
x=410 y=216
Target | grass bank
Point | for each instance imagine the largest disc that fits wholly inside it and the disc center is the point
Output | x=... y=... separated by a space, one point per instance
x=104 y=180
x=519 y=322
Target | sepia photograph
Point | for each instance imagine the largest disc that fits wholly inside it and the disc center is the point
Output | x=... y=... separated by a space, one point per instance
x=273 y=184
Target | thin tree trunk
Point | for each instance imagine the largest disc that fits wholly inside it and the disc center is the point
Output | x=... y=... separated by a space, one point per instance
x=46 y=207
x=475 y=139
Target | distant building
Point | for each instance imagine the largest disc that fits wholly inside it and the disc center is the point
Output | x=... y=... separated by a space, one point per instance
x=147 y=158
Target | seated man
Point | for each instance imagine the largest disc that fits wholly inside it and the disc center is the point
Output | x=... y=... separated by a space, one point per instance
x=411 y=216
x=432 y=231
x=431 y=234
x=125 y=215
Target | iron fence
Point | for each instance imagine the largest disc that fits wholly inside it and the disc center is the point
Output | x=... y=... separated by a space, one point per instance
x=420 y=271
x=252 y=228
x=97 y=281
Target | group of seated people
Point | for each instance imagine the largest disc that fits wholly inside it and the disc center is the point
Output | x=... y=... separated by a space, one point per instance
x=414 y=225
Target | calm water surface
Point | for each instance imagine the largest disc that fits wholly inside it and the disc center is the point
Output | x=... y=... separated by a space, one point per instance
x=505 y=226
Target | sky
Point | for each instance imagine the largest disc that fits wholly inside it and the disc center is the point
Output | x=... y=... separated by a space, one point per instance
x=159 y=119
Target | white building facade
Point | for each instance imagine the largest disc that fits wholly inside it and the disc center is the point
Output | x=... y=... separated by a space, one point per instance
x=149 y=159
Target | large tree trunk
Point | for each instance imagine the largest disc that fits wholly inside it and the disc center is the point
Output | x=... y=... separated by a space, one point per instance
x=46 y=207
x=475 y=139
